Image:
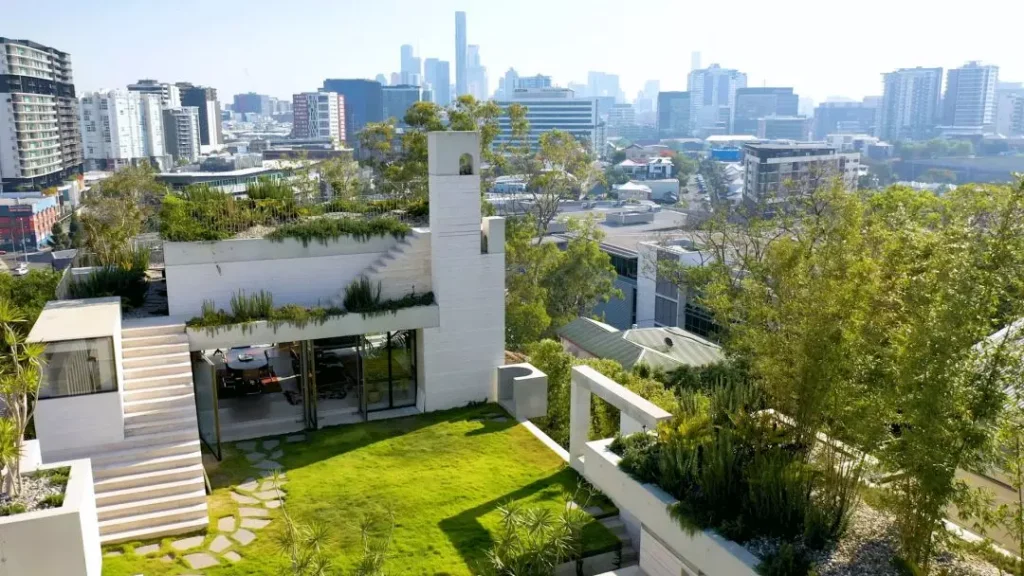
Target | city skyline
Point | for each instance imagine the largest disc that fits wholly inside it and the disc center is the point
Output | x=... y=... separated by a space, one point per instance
x=318 y=51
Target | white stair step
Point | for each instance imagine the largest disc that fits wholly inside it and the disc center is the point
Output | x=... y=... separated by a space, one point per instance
x=156 y=415
x=135 y=342
x=158 y=504
x=157 y=392
x=161 y=370
x=148 y=519
x=162 y=359
x=160 y=330
x=133 y=406
x=140 y=351
x=156 y=531
x=161 y=426
x=115 y=470
x=141 y=453
x=135 y=494
x=158 y=381
x=148 y=478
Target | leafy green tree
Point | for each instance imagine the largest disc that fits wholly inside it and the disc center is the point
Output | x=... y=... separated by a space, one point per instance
x=75 y=231
x=29 y=293
x=59 y=239
x=583 y=275
x=118 y=209
x=535 y=541
x=1010 y=440
x=20 y=374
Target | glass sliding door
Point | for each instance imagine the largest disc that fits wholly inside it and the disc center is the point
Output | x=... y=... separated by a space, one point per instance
x=402 y=346
x=389 y=370
x=205 y=381
x=337 y=372
x=376 y=372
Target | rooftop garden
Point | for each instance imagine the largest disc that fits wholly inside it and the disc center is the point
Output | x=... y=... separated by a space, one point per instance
x=445 y=478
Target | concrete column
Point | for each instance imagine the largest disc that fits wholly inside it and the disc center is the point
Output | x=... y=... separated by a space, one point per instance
x=628 y=425
x=579 y=422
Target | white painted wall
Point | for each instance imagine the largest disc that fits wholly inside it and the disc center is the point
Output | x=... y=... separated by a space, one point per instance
x=407 y=269
x=293 y=273
x=64 y=541
x=461 y=356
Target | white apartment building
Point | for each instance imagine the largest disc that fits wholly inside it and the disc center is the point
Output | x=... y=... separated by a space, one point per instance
x=910 y=104
x=318 y=115
x=181 y=132
x=121 y=127
x=554 y=109
x=773 y=172
x=40 y=143
x=713 y=98
x=621 y=115
x=970 y=100
x=170 y=95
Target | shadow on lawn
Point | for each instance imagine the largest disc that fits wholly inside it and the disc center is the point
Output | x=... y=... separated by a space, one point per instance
x=473 y=540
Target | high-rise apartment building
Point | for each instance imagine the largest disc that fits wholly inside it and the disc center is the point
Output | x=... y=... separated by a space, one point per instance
x=181 y=132
x=318 y=115
x=753 y=104
x=363 y=102
x=410 y=72
x=170 y=94
x=532 y=82
x=120 y=128
x=673 y=114
x=251 y=103
x=1009 y=108
x=398 y=100
x=553 y=109
x=712 y=98
x=438 y=75
x=774 y=172
x=910 y=104
x=795 y=128
x=970 y=100
x=844 y=118
x=602 y=84
x=205 y=99
x=461 y=69
x=621 y=115
x=40 y=141
x=477 y=72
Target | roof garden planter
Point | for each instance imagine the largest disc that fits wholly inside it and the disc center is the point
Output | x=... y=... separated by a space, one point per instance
x=352 y=323
x=705 y=551
x=61 y=540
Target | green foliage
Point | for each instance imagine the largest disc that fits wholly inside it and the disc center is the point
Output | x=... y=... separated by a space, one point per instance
x=935 y=148
x=12 y=509
x=786 y=561
x=251 y=307
x=535 y=541
x=700 y=378
x=20 y=373
x=130 y=284
x=118 y=209
x=30 y=293
x=266 y=189
x=362 y=295
x=52 y=501
x=59 y=239
x=305 y=545
x=324 y=229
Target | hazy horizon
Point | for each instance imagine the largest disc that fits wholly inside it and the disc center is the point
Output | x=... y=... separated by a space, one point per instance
x=281 y=48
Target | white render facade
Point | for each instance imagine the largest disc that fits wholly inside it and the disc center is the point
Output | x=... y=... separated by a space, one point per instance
x=181 y=132
x=139 y=397
x=120 y=126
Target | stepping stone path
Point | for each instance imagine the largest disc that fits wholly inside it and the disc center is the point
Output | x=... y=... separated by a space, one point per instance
x=232 y=557
x=255 y=456
x=226 y=524
x=295 y=438
x=271 y=444
x=200 y=560
x=187 y=543
x=253 y=512
x=255 y=523
x=276 y=454
x=272 y=504
x=270 y=485
x=167 y=559
x=246 y=446
x=268 y=465
x=249 y=486
x=244 y=537
x=220 y=543
x=243 y=499
x=269 y=495
x=149 y=549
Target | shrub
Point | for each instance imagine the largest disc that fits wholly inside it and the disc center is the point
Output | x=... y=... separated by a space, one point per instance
x=130 y=284
x=12 y=509
x=251 y=307
x=52 y=501
x=323 y=229
x=266 y=189
x=361 y=295
x=786 y=561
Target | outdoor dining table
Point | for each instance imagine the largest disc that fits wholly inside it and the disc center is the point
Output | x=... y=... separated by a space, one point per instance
x=252 y=358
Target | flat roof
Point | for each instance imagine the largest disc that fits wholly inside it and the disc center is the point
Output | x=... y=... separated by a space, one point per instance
x=239 y=172
x=77 y=319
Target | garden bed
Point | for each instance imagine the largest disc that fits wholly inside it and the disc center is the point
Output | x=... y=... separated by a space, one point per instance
x=40 y=490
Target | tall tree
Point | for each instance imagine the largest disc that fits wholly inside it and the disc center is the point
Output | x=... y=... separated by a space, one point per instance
x=118 y=209
x=20 y=373
x=59 y=239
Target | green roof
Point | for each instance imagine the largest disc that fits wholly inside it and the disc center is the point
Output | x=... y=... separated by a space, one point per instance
x=665 y=348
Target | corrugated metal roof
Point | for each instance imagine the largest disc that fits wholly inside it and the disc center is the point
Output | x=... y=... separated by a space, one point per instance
x=601 y=340
x=682 y=346
x=647 y=345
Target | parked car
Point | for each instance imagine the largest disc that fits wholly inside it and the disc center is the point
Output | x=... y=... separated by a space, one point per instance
x=21 y=270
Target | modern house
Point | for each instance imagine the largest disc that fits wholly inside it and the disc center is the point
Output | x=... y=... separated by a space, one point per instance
x=140 y=396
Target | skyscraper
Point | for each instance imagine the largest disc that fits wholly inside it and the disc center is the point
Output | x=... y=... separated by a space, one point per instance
x=840 y=117
x=694 y=60
x=673 y=114
x=437 y=73
x=318 y=115
x=509 y=83
x=477 y=73
x=603 y=84
x=170 y=95
x=181 y=132
x=411 y=72
x=712 y=98
x=753 y=104
x=363 y=102
x=40 y=144
x=397 y=101
x=461 y=77
x=205 y=99
x=120 y=127
x=910 y=104
x=251 y=103
x=970 y=100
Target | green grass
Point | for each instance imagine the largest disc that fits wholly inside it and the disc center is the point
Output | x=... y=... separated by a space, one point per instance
x=442 y=475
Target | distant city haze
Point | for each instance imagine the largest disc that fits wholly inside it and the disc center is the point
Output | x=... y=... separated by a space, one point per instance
x=280 y=48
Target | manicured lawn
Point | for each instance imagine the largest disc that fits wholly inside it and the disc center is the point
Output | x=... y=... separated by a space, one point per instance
x=442 y=474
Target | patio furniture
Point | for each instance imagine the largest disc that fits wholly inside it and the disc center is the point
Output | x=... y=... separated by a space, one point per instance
x=246 y=358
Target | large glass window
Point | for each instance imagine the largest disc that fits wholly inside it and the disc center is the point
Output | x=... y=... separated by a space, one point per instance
x=76 y=367
x=665 y=311
x=389 y=370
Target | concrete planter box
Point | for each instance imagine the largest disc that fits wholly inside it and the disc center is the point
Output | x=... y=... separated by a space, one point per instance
x=264 y=332
x=250 y=249
x=702 y=552
x=63 y=540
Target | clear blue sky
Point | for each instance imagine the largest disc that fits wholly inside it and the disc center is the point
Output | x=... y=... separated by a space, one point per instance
x=279 y=47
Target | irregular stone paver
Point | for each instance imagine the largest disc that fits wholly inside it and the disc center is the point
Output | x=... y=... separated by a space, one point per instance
x=269 y=474
x=244 y=537
x=255 y=456
x=249 y=485
x=187 y=543
x=269 y=495
x=226 y=524
x=276 y=454
x=253 y=512
x=272 y=504
x=200 y=560
x=147 y=549
x=232 y=557
x=246 y=446
x=113 y=554
x=243 y=499
x=220 y=543
x=255 y=523
x=295 y=438
x=269 y=485
x=271 y=444
x=268 y=465
x=167 y=559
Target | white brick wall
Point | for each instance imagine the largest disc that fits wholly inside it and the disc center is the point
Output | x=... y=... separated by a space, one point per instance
x=409 y=271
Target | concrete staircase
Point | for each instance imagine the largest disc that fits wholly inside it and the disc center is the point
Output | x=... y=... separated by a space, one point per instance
x=151 y=484
x=402 y=270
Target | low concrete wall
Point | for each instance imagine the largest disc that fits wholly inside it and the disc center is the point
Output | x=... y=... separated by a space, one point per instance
x=523 y=390
x=350 y=324
x=64 y=541
x=702 y=552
